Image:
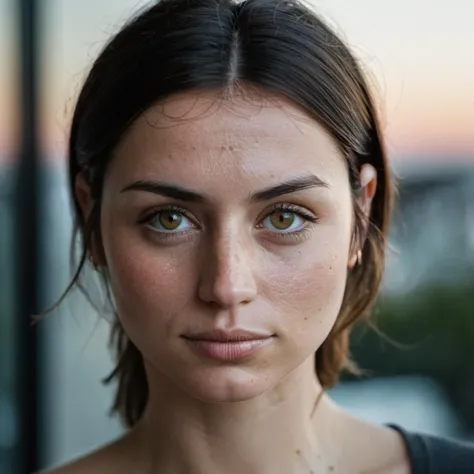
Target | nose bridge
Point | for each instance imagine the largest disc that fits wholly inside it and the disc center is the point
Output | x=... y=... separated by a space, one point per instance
x=231 y=258
x=228 y=273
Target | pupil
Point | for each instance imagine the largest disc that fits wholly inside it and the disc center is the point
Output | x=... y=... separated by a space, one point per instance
x=171 y=220
x=284 y=219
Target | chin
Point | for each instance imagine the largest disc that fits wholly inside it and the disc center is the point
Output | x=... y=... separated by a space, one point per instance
x=227 y=384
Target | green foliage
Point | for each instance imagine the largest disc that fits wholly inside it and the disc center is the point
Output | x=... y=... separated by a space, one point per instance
x=429 y=333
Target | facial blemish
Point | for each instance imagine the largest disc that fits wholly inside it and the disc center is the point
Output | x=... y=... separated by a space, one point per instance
x=231 y=148
x=298 y=452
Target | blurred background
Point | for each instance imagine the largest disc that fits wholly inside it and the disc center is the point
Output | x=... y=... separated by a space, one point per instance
x=52 y=404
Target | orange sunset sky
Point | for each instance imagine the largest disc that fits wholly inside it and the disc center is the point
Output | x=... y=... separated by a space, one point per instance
x=419 y=52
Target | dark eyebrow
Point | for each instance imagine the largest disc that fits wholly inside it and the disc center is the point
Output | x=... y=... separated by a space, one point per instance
x=182 y=194
x=165 y=189
x=288 y=187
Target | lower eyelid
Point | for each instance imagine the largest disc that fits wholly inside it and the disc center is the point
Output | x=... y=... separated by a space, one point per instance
x=294 y=236
x=180 y=236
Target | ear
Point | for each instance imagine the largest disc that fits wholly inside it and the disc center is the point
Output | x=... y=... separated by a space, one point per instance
x=84 y=198
x=83 y=194
x=368 y=180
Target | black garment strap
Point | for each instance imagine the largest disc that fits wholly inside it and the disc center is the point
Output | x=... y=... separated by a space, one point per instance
x=417 y=452
x=432 y=455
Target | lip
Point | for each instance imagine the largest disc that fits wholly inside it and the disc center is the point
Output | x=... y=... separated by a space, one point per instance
x=228 y=345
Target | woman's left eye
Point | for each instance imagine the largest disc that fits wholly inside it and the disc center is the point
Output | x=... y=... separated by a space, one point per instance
x=287 y=220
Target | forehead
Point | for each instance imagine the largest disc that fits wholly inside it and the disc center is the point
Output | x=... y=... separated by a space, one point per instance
x=200 y=139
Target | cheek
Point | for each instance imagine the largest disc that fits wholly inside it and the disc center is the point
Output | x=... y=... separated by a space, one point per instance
x=308 y=289
x=151 y=287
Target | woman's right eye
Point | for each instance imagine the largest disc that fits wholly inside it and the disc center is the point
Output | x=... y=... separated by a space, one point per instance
x=168 y=221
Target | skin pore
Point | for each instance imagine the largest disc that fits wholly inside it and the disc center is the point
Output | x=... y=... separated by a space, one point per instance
x=197 y=235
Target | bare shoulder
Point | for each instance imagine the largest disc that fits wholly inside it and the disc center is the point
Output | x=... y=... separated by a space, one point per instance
x=109 y=459
x=377 y=449
x=397 y=457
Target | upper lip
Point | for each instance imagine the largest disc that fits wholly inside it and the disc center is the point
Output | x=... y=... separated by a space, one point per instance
x=219 y=335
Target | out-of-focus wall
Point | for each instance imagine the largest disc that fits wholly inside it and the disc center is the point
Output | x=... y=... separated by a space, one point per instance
x=9 y=433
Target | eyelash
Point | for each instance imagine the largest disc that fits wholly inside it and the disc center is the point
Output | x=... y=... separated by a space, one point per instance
x=283 y=207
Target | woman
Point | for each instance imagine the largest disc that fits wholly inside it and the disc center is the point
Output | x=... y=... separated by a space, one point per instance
x=231 y=186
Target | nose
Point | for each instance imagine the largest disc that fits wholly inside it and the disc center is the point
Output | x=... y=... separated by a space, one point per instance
x=227 y=275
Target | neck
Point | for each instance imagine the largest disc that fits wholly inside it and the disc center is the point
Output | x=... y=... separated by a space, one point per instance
x=279 y=431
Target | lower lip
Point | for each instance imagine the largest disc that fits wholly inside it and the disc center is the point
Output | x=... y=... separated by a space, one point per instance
x=229 y=351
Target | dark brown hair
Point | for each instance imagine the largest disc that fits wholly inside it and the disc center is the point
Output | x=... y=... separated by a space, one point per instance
x=278 y=46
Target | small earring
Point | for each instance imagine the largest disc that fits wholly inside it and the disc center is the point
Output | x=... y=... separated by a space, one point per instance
x=359 y=257
x=93 y=262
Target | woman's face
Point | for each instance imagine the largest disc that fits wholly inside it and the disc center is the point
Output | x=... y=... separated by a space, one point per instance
x=224 y=220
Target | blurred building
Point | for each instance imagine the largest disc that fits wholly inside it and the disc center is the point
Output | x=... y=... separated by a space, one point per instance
x=432 y=238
